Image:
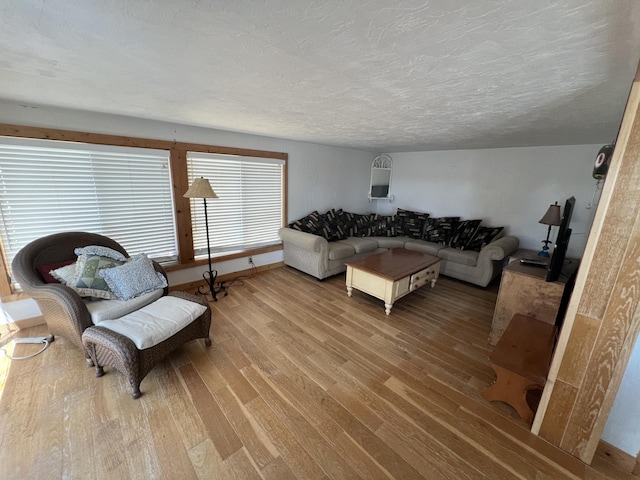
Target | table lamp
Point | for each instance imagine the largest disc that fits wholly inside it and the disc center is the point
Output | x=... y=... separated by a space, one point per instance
x=551 y=218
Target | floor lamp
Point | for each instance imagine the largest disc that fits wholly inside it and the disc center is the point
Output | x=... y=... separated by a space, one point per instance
x=201 y=188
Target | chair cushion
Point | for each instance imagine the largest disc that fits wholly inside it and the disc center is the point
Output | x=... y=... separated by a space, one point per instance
x=101 y=310
x=156 y=322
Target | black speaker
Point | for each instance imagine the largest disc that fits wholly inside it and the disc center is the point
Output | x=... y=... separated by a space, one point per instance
x=601 y=166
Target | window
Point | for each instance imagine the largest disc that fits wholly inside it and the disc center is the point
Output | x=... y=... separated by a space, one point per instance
x=249 y=209
x=51 y=186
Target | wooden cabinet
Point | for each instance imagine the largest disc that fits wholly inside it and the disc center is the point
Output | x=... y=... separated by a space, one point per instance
x=525 y=291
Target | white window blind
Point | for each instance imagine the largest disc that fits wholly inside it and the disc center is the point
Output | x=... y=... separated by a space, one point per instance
x=122 y=193
x=249 y=209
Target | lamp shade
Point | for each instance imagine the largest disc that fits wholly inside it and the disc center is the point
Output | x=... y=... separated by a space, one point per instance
x=200 y=188
x=552 y=217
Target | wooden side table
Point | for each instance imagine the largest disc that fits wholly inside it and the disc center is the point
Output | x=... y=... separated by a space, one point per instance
x=522 y=253
x=524 y=290
x=521 y=361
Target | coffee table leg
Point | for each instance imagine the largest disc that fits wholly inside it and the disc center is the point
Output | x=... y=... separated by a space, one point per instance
x=387 y=308
x=349 y=290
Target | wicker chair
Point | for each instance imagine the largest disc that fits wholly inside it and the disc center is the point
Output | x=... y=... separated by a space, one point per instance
x=63 y=309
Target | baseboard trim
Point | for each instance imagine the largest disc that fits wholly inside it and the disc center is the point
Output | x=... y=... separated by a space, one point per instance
x=617 y=457
x=225 y=278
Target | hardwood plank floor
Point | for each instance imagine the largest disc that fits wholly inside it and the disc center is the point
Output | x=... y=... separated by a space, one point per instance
x=302 y=382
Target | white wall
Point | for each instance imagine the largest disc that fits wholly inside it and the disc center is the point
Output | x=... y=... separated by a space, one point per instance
x=510 y=187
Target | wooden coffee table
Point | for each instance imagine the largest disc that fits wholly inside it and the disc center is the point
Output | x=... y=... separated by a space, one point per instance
x=392 y=274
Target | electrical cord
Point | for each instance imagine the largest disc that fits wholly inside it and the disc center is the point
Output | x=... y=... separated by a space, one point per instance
x=237 y=281
x=11 y=357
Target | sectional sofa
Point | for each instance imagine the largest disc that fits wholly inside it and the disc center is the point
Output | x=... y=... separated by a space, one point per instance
x=321 y=244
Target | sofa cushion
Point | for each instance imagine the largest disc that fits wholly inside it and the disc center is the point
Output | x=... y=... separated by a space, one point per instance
x=423 y=246
x=411 y=224
x=384 y=226
x=463 y=257
x=484 y=236
x=328 y=225
x=330 y=228
x=360 y=244
x=358 y=225
x=308 y=224
x=391 y=242
x=439 y=230
x=339 y=250
x=462 y=233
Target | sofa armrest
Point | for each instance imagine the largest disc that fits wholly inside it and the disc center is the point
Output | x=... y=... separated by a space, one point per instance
x=307 y=241
x=499 y=249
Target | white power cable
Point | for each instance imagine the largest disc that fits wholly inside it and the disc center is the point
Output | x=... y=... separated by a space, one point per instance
x=36 y=340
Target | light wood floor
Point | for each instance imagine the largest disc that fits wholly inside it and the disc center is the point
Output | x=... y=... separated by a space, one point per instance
x=301 y=382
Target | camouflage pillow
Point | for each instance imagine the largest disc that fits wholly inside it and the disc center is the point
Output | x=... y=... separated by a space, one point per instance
x=87 y=282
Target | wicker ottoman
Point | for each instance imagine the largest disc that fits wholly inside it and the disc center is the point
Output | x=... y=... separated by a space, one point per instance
x=110 y=348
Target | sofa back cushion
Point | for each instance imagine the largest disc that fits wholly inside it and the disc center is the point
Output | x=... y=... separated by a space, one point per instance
x=410 y=224
x=462 y=233
x=439 y=230
x=484 y=236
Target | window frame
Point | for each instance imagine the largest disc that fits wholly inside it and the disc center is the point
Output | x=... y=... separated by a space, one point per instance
x=180 y=184
x=234 y=179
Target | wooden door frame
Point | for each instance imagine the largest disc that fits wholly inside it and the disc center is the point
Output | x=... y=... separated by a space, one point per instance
x=603 y=318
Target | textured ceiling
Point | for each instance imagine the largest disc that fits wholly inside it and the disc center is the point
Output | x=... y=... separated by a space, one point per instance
x=381 y=75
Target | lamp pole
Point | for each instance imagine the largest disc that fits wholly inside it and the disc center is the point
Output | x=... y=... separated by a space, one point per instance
x=202 y=189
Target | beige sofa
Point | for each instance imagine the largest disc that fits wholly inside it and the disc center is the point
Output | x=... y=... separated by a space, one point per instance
x=314 y=255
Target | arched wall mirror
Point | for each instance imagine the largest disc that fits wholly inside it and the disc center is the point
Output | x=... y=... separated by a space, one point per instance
x=380 y=186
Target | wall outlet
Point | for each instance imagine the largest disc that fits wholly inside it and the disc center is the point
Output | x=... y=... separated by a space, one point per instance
x=250 y=260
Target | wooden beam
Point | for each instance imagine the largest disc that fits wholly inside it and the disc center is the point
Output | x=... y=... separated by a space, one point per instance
x=181 y=205
x=10 y=130
x=602 y=320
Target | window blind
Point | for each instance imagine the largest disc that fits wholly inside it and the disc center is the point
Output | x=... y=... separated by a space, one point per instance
x=120 y=192
x=249 y=209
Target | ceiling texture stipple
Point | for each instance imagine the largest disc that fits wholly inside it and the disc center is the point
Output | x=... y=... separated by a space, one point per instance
x=379 y=75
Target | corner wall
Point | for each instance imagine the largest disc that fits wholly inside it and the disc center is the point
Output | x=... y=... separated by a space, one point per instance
x=511 y=187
